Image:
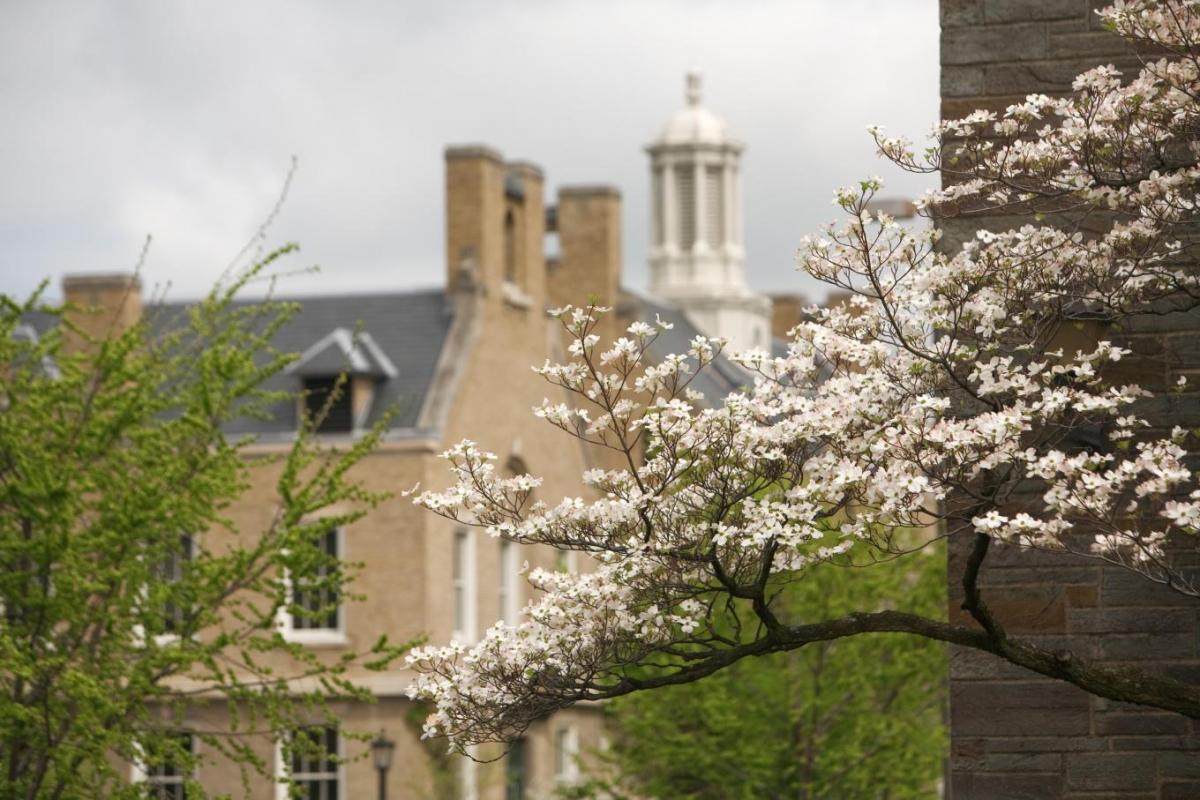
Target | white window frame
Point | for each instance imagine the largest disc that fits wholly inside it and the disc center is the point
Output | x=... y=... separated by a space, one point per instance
x=192 y=548
x=315 y=637
x=510 y=585
x=463 y=586
x=566 y=561
x=281 y=774
x=139 y=771
x=164 y=639
x=566 y=755
x=468 y=775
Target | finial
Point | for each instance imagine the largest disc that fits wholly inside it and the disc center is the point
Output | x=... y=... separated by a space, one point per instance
x=693 y=88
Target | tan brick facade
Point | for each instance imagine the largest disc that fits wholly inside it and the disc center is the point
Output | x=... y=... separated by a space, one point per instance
x=483 y=389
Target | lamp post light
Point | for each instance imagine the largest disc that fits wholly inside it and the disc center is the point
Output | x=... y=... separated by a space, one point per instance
x=382 y=749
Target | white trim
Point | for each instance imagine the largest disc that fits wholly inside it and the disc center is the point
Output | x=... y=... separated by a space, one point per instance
x=463 y=582
x=352 y=349
x=566 y=755
x=281 y=785
x=468 y=775
x=385 y=364
x=566 y=561
x=137 y=767
x=510 y=585
x=315 y=637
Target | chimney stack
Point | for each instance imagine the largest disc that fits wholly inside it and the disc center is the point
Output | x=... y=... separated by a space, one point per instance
x=474 y=218
x=588 y=220
x=106 y=306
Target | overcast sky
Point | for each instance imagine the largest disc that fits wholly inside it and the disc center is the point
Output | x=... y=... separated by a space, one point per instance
x=179 y=120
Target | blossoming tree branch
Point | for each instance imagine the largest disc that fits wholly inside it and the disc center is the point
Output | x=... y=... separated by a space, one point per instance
x=952 y=397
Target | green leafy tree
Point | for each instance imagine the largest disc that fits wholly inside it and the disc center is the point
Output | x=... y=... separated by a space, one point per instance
x=849 y=718
x=128 y=593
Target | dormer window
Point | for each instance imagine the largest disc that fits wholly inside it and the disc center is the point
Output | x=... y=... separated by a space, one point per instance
x=338 y=416
x=320 y=368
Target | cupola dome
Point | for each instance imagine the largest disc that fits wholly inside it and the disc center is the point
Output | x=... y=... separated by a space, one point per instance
x=694 y=124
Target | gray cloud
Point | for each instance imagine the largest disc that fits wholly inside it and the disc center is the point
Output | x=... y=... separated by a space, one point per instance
x=179 y=120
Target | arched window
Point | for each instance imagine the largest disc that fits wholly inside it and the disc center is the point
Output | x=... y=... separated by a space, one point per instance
x=510 y=247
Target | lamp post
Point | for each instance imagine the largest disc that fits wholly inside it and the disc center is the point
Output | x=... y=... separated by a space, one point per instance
x=382 y=749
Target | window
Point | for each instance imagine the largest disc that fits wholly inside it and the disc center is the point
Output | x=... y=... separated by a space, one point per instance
x=515 y=770
x=685 y=199
x=714 y=207
x=166 y=778
x=566 y=560
x=339 y=417
x=510 y=247
x=656 y=197
x=314 y=763
x=171 y=571
x=510 y=603
x=319 y=602
x=566 y=755
x=464 y=586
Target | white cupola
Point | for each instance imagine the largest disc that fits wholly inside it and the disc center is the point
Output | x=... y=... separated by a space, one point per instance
x=696 y=246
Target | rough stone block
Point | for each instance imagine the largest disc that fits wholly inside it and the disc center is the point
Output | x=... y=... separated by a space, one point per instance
x=1148 y=648
x=1026 y=609
x=1179 y=765
x=1020 y=10
x=1083 y=576
x=1023 y=41
x=1120 y=587
x=1082 y=596
x=1111 y=772
x=957 y=13
x=1018 y=709
x=966 y=664
x=1156 y=743
x=981 y=786
x=956 y=108
x=1168 y=410
x=1174 y=790
x=1046 y=77
x=962 y=81
x=1147 y=724
x=1099 y=45
x=1130 y=620
x=1041 y=744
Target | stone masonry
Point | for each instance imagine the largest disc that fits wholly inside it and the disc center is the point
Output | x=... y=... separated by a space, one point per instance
x=1013 y=734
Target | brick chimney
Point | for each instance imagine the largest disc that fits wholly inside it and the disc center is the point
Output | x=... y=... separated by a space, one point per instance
x=105 y=306
x=474 y=218
x=787 y=311
x=588 y=220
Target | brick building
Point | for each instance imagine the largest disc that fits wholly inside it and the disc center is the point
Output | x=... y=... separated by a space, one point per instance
x=1015 y=735
x=452 y=363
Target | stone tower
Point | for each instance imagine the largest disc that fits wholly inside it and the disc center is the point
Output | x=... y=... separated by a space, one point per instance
x=696 y=246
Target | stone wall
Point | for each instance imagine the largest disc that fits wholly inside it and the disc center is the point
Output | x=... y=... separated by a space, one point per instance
x=1015 y=735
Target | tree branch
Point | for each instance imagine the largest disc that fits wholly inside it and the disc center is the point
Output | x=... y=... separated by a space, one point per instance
x=1120 y=684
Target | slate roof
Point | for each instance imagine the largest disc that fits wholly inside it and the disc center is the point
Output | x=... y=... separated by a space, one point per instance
x=716 y=382
x=408 y=328
x=40 y=321
x=407 y=333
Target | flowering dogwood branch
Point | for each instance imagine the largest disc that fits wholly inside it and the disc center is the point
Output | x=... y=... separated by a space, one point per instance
x=953 y=392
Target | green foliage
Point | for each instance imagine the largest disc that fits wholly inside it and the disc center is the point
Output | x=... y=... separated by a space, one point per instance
x=859 y=717
x=113 y=463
